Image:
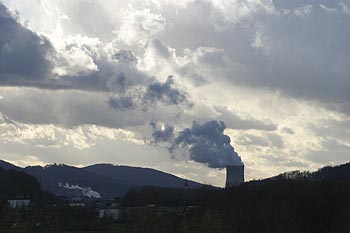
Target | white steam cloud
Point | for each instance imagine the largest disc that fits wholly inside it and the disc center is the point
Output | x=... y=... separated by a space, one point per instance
x=86 y=191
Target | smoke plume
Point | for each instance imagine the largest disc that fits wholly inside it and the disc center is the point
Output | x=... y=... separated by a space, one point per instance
x=204 y=143
x=207 y=143
x=86 y=191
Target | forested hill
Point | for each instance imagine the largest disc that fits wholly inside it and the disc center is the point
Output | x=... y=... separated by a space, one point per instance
x=340 y=173
x=107 y=180
x=294 y=202
x=14 y=182
x=6 y=165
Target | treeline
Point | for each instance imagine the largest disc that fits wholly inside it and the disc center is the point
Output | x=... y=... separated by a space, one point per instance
x=149 y=195
x=289 y=206
x=340 y=173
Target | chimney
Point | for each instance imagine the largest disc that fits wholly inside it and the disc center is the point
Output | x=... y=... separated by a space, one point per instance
x=234 y=175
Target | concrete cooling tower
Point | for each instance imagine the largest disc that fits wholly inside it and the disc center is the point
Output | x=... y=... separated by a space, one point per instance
x=234 y=175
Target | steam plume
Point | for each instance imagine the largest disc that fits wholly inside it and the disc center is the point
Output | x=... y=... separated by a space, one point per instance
x=204 y=143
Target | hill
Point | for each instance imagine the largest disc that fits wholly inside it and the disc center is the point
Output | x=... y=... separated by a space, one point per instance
x=13 y=183
x=340 y=173
x=7 y=166
x=140 y=176
x=72 y=181
x=101 y=180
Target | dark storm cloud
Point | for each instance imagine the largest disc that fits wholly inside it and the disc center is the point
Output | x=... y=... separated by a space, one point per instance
x=166 y=93
x=120 y=83
x=116 y=75
x=280 y=49
x=297 y=47
x=155 y=92
x=23 y=54
x=283 y=45
x=162 y=135
x=206 y=143
x=26 y=60
x=122 y=103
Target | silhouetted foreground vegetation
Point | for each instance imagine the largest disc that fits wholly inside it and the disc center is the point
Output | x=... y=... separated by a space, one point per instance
x=289 y=203
x=275 y=206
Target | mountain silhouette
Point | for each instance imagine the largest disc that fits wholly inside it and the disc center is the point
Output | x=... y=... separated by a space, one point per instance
x=107 y=180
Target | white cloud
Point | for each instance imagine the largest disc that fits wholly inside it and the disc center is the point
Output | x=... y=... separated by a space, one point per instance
x=268 y=68
x=344 y=7
x=76 y=55
x=139 y=26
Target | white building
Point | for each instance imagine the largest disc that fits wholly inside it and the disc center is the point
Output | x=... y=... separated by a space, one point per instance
x=19 y=203
x=77 y=204
x=112 y=213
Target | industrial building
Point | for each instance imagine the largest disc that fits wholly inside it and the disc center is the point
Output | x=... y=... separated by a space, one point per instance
x=234 y=175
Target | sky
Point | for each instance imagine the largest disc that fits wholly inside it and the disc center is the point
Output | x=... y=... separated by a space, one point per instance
x=183 y=86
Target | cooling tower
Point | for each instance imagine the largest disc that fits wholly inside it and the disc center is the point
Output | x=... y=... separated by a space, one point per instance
x=234 y=175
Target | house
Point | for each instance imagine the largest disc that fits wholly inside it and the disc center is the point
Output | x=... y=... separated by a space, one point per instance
x=19 y=203
x=112 y=213
x=77 y=204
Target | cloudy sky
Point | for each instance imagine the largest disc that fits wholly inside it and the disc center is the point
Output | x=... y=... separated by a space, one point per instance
x=176 y=84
